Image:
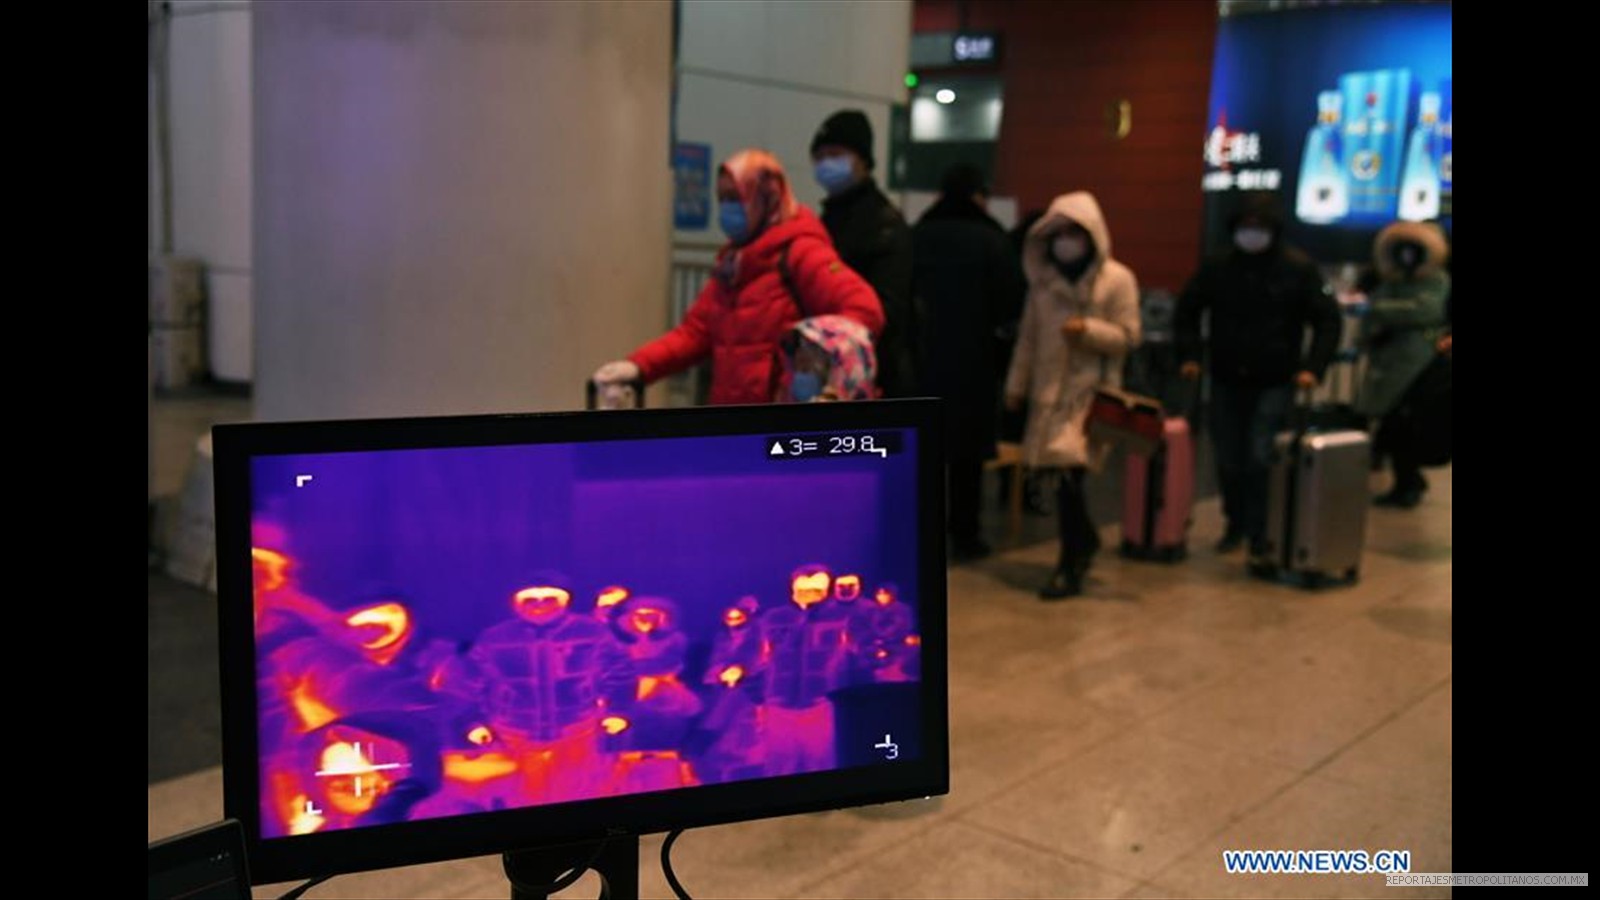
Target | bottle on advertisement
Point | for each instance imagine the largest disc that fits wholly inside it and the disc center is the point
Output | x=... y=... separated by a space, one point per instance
x=1419 y=190
x=1323 y=195
x=1375 y=105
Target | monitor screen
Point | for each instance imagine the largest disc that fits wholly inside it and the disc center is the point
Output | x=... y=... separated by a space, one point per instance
x=458 y=636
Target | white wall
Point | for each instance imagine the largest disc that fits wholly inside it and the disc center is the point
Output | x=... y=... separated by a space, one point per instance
x=765 y=73
x=459 y=207
x=209 y=129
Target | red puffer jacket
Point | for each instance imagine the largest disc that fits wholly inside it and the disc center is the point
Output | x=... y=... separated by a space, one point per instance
x=738 y=325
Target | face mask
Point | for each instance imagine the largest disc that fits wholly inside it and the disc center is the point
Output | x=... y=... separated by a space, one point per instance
x=1069 y=248
x=1408 y=256
x=1252 y=240
x=835 y=173
x=731 y=216
x=805 y=386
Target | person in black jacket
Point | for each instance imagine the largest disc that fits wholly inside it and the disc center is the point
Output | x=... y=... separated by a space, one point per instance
x=969 y=282
x=872 y=238
x=1262 y=296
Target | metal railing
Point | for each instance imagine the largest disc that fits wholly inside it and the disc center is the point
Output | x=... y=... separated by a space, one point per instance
x=691 y=269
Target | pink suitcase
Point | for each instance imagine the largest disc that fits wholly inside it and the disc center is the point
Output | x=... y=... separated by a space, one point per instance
x=1155 y=522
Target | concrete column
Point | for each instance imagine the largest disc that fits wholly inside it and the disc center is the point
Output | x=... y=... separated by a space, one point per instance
x=460 y=207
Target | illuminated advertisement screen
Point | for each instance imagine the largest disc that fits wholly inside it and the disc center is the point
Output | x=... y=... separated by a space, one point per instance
x=1344 y=111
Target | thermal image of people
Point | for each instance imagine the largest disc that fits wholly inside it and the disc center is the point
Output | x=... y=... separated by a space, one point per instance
x=736 y=650
x=846 y=588
x=331 y=693
x=842 y=605
x=304 y=655
x=884 y=645
x=664 y=707
x=552 y=685
x=428 y=644
x=606 y=603
x=383 y=630
x=804 y=654
x=435 y=684
x=369 y=768
x=734 y=678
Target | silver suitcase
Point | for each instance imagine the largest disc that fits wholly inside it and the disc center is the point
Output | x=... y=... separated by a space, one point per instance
x=1317 y=506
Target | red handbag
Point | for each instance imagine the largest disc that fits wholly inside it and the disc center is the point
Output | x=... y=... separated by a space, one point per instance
x=1134 y=420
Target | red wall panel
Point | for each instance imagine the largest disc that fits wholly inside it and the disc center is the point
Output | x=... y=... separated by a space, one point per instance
x=1064 y=62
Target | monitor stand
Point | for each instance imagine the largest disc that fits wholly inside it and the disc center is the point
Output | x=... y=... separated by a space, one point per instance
x=616 y=861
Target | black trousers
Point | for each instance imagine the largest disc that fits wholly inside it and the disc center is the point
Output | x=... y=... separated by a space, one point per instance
x=1244 y=423
x=1079 y=539
x=1396 y=438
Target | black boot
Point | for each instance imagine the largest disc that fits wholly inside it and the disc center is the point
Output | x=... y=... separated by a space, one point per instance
x=1071 y=573
x=1064 y=582
x=1405 y=494
x=1231 y=541
x=1401 y=498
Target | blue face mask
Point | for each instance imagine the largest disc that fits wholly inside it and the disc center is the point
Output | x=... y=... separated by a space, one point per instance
x=731 y=216
x=835 y=173
x=804 y=386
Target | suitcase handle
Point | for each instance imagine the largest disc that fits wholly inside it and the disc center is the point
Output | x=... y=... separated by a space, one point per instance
x=592 y=392
x=1305 y=400
x=1192 y=408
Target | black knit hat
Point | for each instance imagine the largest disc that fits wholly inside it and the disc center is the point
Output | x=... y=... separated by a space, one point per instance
x=847 y=128
x=963 y=180
x=1261 y=206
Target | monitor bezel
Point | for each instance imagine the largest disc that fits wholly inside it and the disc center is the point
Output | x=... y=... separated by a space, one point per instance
x=432 y=840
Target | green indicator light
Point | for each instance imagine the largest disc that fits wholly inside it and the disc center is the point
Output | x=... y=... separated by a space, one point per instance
x=911 y=79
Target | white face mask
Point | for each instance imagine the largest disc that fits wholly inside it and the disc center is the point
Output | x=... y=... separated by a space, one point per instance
x=1252 y=240
x=1068 y=248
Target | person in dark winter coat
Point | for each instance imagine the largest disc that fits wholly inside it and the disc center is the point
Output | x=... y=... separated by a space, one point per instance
x=777 y=268
x=1262 y=296
x=969 y=283
x=872 y=238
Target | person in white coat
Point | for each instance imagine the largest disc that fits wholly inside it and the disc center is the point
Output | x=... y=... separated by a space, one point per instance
x=1080 y=320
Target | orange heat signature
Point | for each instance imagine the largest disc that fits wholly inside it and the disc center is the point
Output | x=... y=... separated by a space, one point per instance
x=388 y=625
x=312 y=711
x=460 y=765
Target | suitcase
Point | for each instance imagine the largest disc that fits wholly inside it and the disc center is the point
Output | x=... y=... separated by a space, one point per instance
x=1158 y=497
x=1316 y=504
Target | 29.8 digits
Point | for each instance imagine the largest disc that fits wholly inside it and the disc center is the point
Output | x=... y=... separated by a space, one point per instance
x=850 y=443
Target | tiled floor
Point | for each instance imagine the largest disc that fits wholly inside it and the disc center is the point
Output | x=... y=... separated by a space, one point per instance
x=1112 y=745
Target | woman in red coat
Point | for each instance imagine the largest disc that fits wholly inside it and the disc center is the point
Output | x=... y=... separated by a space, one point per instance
x=776 y=249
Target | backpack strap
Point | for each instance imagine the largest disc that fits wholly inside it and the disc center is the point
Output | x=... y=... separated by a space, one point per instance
x=788 y=279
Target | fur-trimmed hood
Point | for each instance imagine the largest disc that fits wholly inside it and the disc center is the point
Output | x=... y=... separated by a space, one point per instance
x=1435 y=248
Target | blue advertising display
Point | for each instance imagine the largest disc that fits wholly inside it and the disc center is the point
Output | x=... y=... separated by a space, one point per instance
x=1344 y=111
x=691 y=186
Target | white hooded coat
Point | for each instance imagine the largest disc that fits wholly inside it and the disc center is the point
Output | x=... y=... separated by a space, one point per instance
x=1056 y=374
